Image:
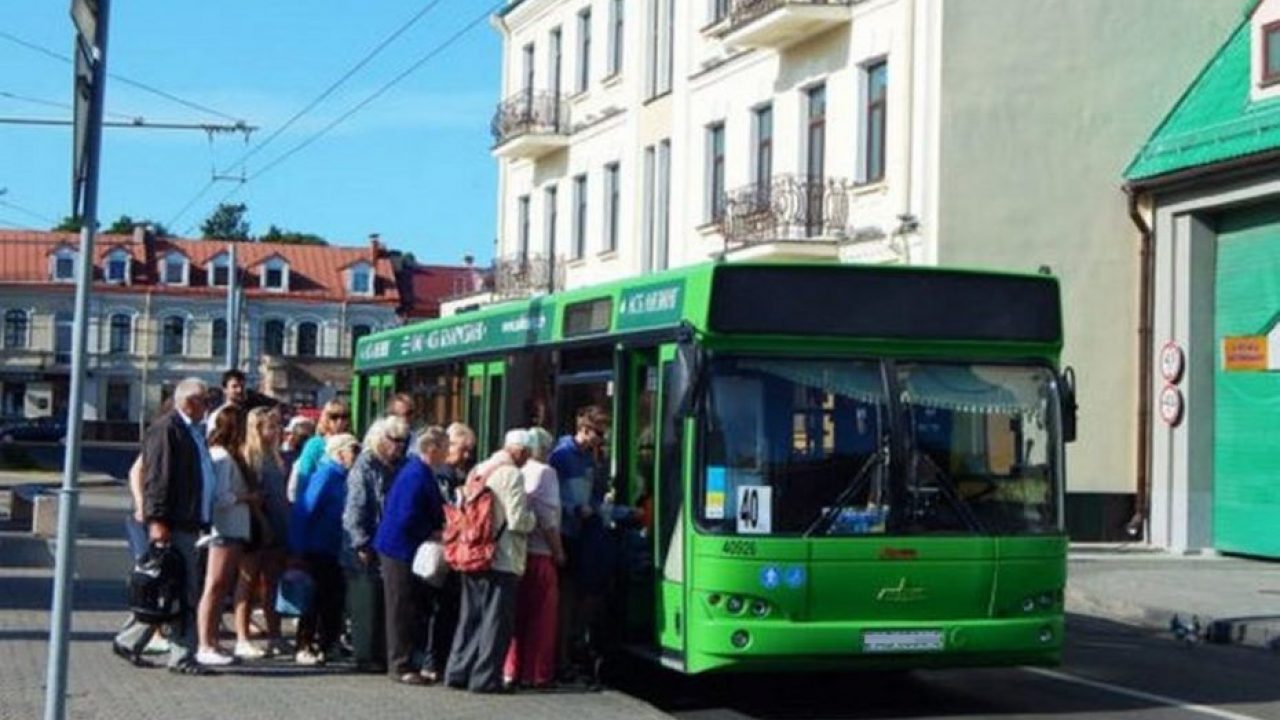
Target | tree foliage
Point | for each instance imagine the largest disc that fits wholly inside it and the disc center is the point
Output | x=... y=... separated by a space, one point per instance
x=227 y=222
x=70 y=223
x=288 y=237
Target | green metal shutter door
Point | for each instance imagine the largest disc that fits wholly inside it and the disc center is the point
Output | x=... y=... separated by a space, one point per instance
x=1246 y=492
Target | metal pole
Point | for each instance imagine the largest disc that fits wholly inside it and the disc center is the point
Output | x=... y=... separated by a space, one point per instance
x=233 y=309
x=69 y=498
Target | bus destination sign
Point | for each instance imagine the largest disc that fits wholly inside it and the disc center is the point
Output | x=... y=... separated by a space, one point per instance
x=650 y=306
x=507 y=330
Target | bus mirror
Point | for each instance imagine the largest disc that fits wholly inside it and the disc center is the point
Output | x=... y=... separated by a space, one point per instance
x=1067 y=393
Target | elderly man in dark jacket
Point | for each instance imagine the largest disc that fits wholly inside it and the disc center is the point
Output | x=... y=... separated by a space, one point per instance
x=178 y=478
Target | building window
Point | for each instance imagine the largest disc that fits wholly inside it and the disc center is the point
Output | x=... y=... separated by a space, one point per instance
x=719 y=10
x=661 y=47
x=579 y=248
x=815 y=156
x=549 y=204
x=64 y=265
x=14 y=399
x=615 y=36
x=63 y=327
x=873 y=120
x=118 y=401
x=662 y=214
x=584 y=49
x=117 y=266
x=612 y=201
x=762 y=160
x=527 y=55
x=273 y=337
x=219 y=271
x=357 y=332
x=715 y=172
x=275 y=275
x=523 y=238
x=218 y=346
x=308 y=339
x=361 y=279
x=555 y=61
x=17 y=327
x=120 y=335
x=173 y=336
x=175 y=269
x=1271 y=53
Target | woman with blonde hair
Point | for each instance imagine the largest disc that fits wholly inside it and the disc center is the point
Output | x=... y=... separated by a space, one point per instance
x=230 y=503
x=261 y=566
x=335 y=419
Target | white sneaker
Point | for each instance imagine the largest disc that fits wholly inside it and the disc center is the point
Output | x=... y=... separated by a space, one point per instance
x=248 y=651
x=214 y=657
x=306 y=657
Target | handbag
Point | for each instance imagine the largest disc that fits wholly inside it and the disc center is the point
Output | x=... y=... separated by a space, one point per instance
x=157 y=585
x=429 y=563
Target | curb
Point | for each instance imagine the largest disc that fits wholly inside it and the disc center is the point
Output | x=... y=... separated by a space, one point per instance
x=1261 y=631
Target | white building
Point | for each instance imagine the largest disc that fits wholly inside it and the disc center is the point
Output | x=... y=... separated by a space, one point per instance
x=158 y=314
x=637 y=134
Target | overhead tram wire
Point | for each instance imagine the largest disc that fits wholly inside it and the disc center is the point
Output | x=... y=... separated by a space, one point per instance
x=298 y=115
x=127 y=81
x=368 y=57
x=432 y=54
x=28 y=212
x=59 y=105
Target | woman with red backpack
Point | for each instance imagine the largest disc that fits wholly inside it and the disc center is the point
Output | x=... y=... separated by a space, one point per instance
x=485 y=542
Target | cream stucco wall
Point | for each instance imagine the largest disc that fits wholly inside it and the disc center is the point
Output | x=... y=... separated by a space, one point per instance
x=1043 y=104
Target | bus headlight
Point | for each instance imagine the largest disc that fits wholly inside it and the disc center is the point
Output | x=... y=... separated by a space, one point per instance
x=734 y=604
x=1046 y=635
x=740 y=638
x=1045 y=600
x=759 y=608
x=1029 y=605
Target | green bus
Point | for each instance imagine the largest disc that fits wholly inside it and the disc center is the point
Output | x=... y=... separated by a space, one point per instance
x=849 y=466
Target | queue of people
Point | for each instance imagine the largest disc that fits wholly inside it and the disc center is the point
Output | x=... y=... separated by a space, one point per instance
x=246 y=500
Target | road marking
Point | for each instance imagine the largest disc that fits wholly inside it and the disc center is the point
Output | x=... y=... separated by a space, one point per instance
x=1140 y=695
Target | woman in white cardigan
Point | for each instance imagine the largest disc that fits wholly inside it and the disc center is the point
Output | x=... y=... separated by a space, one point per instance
x=230 y=504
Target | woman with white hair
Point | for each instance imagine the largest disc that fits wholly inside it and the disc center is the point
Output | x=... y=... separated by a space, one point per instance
x=315 y=535
x=367 y=485
x=531 y=659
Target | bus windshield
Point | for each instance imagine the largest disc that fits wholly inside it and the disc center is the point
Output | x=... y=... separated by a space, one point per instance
x=815 y=448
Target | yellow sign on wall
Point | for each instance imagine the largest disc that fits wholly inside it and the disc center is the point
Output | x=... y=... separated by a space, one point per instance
x=1246 y=352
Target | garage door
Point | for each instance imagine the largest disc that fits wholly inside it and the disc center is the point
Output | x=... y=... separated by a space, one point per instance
x=1246 y=483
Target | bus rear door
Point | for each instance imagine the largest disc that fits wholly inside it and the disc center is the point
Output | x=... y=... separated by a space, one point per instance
x=485 y=402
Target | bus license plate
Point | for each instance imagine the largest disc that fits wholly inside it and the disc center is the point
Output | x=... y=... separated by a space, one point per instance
x=895 y=641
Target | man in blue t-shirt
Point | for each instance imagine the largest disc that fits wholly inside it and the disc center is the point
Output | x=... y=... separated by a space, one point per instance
x=584 y=578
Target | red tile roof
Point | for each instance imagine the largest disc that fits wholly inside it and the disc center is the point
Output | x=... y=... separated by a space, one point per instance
x=315 y=271
x=429 y=284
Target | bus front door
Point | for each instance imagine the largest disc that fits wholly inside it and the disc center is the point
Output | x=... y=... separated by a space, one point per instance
x=485 y=403
x=669 y=538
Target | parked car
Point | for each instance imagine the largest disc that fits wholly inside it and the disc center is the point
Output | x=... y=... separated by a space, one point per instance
x=43 y=429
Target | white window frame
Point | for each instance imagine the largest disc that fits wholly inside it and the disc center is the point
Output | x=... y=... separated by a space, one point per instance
x=186 y=335
x=581 y=186
x=62 y=253
x=164 y=268
x=26 y=336
x=115 y=256
x=583 y=76
x=352 y=272
x=221 y=260
x=612 y=206
x=133 y=334
x=617 y=37
x=284 y=336
x=275 y=263
x=297 y=337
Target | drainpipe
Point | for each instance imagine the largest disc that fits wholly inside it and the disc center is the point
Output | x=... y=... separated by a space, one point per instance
x=1142 y=496
x=144 y=338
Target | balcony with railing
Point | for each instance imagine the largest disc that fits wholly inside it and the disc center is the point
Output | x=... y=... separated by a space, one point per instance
x=519 y=276
x=792 y=210
x=778 y=24
x=530 y=124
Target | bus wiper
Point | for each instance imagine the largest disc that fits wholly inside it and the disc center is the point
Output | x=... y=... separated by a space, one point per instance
x=948 y=487
x=859 y=480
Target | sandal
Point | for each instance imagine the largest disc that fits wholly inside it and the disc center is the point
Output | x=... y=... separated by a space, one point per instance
x=189 y=667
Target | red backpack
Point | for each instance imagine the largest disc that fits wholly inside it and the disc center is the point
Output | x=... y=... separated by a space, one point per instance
x=470 y=541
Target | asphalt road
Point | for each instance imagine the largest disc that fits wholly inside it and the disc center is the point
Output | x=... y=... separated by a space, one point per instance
x=1111 y=671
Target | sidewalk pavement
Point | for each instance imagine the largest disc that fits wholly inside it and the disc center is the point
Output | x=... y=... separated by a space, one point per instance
x=1228 y=599
x=102 y=686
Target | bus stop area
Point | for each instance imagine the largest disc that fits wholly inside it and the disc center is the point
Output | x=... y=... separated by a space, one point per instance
x=1129 y=584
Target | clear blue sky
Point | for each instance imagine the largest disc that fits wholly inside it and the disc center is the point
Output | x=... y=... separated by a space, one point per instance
x=414 y=165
